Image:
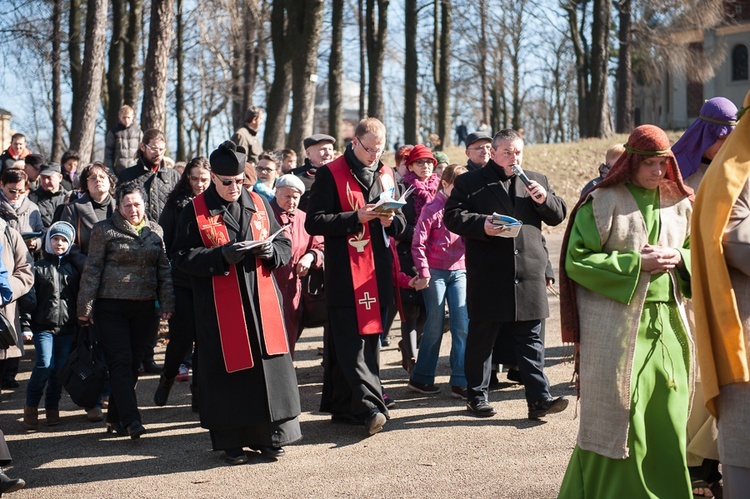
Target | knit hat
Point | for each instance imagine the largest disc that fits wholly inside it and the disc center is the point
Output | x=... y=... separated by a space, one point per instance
x=316 y=139
x=421 y=151
x=441 y=157
x=290 y=181
x=34 y=160
x=63 y=229
x=718 y=117
x=228 y=159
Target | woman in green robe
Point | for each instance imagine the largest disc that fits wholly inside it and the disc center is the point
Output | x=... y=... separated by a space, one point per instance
x=627 y=251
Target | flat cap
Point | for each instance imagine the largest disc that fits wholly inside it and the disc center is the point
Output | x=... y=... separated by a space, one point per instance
x=316 y=139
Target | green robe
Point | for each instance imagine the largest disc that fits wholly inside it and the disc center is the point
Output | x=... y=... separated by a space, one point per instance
x=660 y=392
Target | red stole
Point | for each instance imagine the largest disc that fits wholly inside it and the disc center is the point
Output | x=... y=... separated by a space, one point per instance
x=230 y=312
x=361 y=256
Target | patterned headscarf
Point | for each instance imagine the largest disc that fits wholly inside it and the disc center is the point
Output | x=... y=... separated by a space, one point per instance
x=646 y=141
x=718 y=117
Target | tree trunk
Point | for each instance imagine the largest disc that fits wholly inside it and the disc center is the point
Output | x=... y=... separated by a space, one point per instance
x=376 y=36
x=362 y=59
x=156 y=70
x=624 y=80
x=307 y=22
x=336 y=73
x=131 y=69
x=442 y=73
x=82 y=134
x=482 y=54
x=582 y=57
x=114 y=71
x=75 y=16
x=599 y=124
x=277 y=105
x=250 y=70
x=411 y=73
x=179 y=89
x=243 y=61
x=57 y=119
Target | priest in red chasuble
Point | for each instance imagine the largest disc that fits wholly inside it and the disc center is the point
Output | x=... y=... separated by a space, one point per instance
x=248 y=387
x=358 y=280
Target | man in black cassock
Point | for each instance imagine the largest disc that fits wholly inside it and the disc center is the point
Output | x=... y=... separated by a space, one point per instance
x=249 y=395
x=351 y=386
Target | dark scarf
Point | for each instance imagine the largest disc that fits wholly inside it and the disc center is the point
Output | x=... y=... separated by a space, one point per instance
x=364 y=174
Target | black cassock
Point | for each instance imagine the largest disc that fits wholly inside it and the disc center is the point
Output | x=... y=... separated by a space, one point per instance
x=252 y=407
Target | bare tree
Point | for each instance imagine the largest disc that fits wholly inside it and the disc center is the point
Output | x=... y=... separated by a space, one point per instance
x=114 y=69
x=179 y=84
x=131 y=67
x=75 y=20
x=575 y=11
x=362 y=58
x=57 y=119
x=277 y=101
x=624 y=79
x=598 y=110
x=156 y=70
x=84 y=124
x=376 y=37
x=411 y=72
x=441 y=67
x=336 y=72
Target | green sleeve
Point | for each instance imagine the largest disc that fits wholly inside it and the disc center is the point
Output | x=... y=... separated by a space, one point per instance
x=683 y=276
x=614 y=275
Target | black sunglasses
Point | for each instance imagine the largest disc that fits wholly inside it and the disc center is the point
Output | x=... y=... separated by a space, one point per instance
x=226 y=182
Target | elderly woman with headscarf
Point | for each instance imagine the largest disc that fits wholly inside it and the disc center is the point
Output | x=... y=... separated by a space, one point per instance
x=721 y=282
x=703 y=139
x=307 y=253
x=624 y=272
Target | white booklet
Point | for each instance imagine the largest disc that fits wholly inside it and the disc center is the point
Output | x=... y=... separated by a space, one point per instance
x=248 y=245
x=511 y=226
x=387 y=203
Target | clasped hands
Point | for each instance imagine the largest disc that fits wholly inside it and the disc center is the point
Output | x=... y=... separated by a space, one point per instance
x=366 y=213
x=234 y=252
x=657 y=259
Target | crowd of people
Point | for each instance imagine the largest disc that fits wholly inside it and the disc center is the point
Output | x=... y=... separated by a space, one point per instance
x=228 y=249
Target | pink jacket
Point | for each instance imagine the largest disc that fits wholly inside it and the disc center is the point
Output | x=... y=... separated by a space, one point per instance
x=433 y=245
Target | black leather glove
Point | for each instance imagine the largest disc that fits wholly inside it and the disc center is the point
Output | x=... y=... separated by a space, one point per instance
x=233 y=253
x=264 y=251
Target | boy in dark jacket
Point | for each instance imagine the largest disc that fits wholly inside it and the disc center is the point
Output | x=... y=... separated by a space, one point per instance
x=53 y=323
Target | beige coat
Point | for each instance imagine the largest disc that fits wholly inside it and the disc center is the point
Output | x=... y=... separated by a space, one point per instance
x=609 y=328
x=17 y=260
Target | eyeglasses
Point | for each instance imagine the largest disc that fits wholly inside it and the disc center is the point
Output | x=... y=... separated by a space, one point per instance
x=159 y=150
x=226 y=182
x=376 y=152
x=262 y=169
x=16 y=191
x=422 y=162
x=486 y=147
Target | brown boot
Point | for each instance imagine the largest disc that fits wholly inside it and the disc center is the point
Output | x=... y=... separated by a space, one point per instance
x=30 y=417
x=52 y=417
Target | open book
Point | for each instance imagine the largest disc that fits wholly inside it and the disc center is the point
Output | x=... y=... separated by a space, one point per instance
x=387 y=203
x=248 y=245
x=511 y=226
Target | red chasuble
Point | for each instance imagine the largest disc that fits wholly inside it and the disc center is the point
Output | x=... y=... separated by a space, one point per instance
x=361 y=256
x=230 y=313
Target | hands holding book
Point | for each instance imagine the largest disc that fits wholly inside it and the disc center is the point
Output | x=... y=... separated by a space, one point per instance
x=368 y=212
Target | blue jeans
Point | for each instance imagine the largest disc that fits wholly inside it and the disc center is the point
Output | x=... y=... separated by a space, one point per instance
x=51 y=353
x=450 y=285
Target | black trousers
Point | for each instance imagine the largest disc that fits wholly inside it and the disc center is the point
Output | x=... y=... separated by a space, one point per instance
x=125 y=329
x=529 y=355
x=351 y=379
x=5 y=458
x=181 y=332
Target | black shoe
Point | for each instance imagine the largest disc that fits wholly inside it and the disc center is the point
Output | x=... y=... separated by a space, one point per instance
x=10 y=384
x=418 y=387
x=514 y=375
x=481 y=409
x=389 y=402
x=135 y=430
x=386 y=342
x=458 y=392
x=270 y=452
x=375 y=423
x=235 y=456
x=150 y=367
x=494 y=382
x=118 y=428
x=8 y=484
x=550 y=406
x=162 y=391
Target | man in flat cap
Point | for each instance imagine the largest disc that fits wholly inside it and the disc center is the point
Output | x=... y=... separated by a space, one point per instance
x=50 y=197
x=478 y=148
x=249 y=395
x=319 y=152
x=247 y=135
x=307 y=253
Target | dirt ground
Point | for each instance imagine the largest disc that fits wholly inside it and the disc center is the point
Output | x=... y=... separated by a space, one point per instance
x=430 y=447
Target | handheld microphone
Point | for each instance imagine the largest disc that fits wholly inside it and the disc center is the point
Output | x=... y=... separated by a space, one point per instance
x=519 y=172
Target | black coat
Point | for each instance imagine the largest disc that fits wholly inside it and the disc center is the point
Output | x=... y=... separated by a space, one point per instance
x=325 y=217
x=56 y=282
x=505 y=276
x=81 y=215
x=156 y=186
x=267 y=391
x=50 y=204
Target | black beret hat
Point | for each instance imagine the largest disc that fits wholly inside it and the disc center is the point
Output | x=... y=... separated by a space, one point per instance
x=317 y=138
x=473 y=137
x=228 y=159
x=35 y=160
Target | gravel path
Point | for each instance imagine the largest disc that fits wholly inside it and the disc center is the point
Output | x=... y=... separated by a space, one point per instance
x=431 y=447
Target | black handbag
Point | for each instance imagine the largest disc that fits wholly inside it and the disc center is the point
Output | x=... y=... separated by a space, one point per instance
x=7 y=332
x=85 y=371
x=314 y=303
